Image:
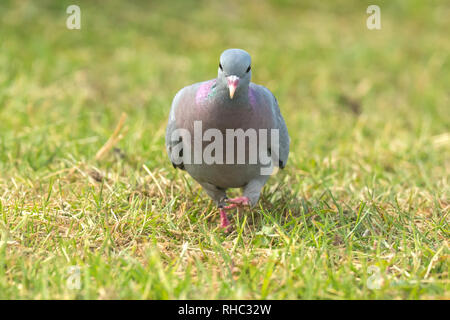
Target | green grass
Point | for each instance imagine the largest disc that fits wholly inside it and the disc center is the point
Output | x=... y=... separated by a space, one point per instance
x=367 y=182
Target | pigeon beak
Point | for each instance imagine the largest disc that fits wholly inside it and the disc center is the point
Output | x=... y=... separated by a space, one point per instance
x=233 y=82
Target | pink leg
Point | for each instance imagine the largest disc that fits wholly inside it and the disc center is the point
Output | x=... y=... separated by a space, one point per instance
x=224 y=222
x=234 y=203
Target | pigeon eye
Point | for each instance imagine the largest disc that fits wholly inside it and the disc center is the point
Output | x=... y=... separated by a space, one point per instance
x=220 y=66
x=249 y=68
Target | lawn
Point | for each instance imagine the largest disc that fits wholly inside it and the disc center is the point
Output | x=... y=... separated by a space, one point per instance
x=361 y=210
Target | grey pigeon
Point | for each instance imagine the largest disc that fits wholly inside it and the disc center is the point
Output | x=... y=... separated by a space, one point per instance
x=230 y=101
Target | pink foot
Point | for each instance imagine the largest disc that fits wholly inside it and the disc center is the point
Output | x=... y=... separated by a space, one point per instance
x=244 y=201
x=224 y=222
x=234 y=203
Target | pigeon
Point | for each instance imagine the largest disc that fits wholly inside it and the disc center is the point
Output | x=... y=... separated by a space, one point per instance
x=225 y=106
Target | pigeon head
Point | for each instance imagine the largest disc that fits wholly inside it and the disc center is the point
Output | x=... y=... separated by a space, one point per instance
x=235 y=70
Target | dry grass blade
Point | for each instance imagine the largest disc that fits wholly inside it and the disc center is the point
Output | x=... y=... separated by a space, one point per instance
x=155 y=180
x=113 y=140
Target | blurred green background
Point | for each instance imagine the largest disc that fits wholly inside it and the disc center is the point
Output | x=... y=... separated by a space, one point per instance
x=135 y=56
x=367 y=110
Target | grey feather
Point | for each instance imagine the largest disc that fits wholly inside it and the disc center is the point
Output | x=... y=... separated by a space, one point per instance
x=280 y=124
